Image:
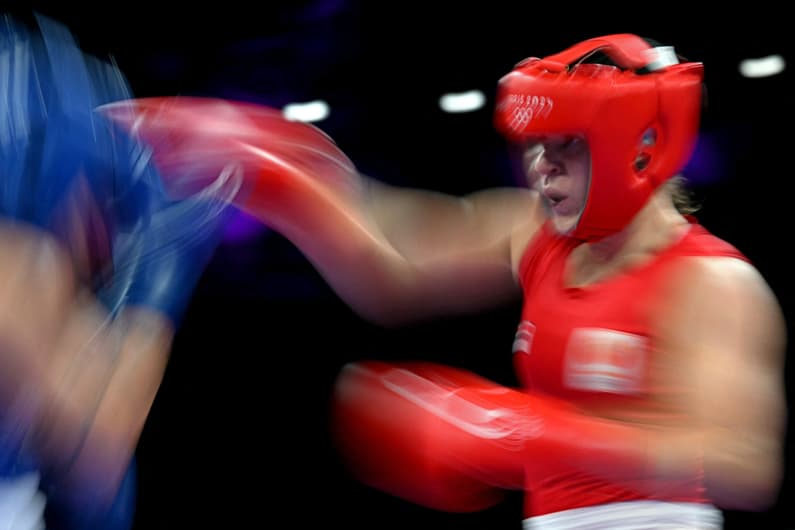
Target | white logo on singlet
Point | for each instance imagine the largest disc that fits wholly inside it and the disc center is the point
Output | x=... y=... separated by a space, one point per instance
x=523 y=340
x=605 y=360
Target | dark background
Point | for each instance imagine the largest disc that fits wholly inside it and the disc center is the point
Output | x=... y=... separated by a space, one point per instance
x=237 y=437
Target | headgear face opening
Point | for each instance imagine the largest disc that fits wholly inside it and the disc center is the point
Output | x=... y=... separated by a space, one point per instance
x=640 y=119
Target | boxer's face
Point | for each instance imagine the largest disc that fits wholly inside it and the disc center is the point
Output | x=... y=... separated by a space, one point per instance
x=559 y=168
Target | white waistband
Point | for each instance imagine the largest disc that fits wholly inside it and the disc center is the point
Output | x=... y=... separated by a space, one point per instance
x=633 y=515
x=21 y=503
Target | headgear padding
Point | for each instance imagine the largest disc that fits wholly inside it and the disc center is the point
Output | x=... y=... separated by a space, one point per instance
x=639 y=118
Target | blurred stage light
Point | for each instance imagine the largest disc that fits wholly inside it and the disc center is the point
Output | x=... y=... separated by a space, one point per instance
x=763 y=66
x=311 y=111
x=463 y=101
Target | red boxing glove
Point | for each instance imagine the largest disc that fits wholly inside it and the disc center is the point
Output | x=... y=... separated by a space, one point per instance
x=447 y=439
x=413 y=431
x=283 y=168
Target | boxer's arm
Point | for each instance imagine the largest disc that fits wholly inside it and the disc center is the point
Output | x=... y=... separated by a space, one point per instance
x=727 y=332
x=392 y=254
x=448 y=439
x=401 y=254
x=100 y=382
x=78 y=383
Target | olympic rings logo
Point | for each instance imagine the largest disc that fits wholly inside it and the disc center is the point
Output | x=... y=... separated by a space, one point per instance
x=526 y=109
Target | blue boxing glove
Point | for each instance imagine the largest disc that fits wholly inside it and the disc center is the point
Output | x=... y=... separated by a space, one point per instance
x=161 y=251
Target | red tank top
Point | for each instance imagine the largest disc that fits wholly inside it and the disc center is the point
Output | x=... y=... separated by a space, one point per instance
x=593 y=346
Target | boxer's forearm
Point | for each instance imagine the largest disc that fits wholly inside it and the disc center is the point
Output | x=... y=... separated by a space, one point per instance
x=398 y=254
x=93 y=420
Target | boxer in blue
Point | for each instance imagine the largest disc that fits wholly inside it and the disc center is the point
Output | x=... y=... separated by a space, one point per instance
x=98 y=268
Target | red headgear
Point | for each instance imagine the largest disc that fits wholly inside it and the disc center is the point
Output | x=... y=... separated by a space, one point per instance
x=640 y=119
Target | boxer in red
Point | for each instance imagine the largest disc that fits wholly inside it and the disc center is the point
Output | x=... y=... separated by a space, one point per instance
x=650 y=351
